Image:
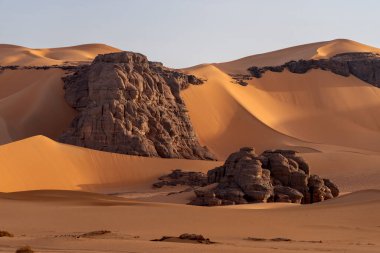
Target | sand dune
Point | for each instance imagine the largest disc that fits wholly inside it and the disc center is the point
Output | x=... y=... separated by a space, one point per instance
x=41 y=163
x=345 y=224
x=301 y=111
x=32 y=103
x=317 y=50
x=284 y=110
x=23 y=56
x=332 y=119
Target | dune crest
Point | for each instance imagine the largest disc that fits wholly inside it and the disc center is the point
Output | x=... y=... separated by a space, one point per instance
x=23 y=56
x=318 y=50
x=41 y=163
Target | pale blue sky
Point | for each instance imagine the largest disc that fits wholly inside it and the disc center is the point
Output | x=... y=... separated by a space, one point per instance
x=182 y=33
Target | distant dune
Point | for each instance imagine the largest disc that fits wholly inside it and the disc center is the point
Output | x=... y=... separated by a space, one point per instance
x=23 y=56
x=317 y=50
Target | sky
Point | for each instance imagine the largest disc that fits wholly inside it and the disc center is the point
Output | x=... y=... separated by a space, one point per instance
x=183 y=33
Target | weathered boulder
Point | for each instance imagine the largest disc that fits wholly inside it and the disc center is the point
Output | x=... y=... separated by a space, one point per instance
x=205 y=198
x=363 y=65
x=275 y=175
x=318 y=190
x=179 y=177
x=333 y=187
x=287 y=194
x=129 y=105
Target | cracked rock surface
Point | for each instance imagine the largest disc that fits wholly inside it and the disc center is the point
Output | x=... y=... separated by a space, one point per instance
x=129 y=105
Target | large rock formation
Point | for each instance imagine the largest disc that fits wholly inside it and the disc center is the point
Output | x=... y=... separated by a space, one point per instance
x=274 y=176
x=365 y=66
x=129 y=105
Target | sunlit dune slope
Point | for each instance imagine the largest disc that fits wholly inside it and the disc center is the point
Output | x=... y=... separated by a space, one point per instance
x=41 y=163
x=23 y=56
x=286 y=109
x=31 y=103
x=308 y=51
x=221 y=118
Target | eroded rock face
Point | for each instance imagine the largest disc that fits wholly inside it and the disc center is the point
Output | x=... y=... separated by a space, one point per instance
x=365 y=66
x=132 y=106
x=273 y=176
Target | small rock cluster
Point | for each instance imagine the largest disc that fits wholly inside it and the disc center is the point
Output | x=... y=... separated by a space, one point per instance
x=273 y=176
x=193 y=238
x=179 y=177
x=365 y=66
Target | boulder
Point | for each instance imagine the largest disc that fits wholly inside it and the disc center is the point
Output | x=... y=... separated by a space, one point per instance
x=275 y=175
x=205 y=198
x=179 y=177
x=333 y=187
x=287 y=194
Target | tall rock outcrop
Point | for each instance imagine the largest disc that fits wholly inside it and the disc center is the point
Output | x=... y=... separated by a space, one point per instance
x=365 y=66
x=129 y=105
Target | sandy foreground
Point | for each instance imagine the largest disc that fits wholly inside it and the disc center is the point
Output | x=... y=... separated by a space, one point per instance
x=49 y=221
x=332 y=120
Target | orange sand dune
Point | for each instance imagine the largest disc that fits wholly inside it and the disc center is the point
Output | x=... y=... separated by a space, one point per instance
x=317 y=50
x=41 y=163
x=23 y=56
x=31 y=103
x=332 y=118
x=301 y=111
x=49 y=221
x=284 y=110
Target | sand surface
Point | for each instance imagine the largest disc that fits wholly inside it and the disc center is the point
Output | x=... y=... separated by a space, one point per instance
x=23 y=56
x=50 y=221
x=32 y=103
x=317 y=50
x=41 y=163
x=332 y=120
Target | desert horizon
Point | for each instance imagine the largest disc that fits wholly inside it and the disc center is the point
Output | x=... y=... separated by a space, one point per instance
x=109 y=149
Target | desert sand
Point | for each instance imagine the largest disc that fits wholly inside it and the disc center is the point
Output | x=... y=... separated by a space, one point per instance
x=49 y=221
x=23 y=56
x=332 y=120
x=317 y=50
x=29 y=100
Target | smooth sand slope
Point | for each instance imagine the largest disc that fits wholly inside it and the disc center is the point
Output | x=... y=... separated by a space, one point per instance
x=317 y=50
x=50 y=221
x=286 y=109
x=41 y=163
x=31 y=103
x=23 y=56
